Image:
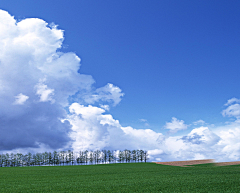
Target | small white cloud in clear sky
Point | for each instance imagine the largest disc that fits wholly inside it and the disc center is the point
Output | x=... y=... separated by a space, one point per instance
x=145 y=122
x=46 y=104
x=175 y=125
x=20 y=99
x=232 y=100
x=233 y=109
x=199 y=122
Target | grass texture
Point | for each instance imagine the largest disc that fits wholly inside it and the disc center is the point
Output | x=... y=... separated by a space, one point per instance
x=130 y=177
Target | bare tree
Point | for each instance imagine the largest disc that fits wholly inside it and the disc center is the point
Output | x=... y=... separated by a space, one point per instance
x=29 y=159
x=91 y=157
x=141 y=155
x=1 y=160
x=19 y=159
x=145 y=156
x=120 y=156
x=72 y=157
x=79 y=158
x=134 y=155
x=97 y=156
x=109 y=156
x=86 y=156
x=138 y=155
x=12 y=160
x=62 y=157
x=129 y=156
x=104 y=156
x=38 y=159
x=55 y=158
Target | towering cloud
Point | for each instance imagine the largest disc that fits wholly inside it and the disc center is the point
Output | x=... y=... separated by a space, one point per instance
x=36 y=81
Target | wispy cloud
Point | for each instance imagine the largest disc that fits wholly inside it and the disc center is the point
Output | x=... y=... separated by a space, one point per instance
x=232 y=100
x=199 y=122
x=144 y=121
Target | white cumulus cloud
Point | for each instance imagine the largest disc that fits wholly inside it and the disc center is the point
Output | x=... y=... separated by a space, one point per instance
x=44 y=92
x=92 y=129
x=32 y=64
x=175 y=125
x=20 y=99
x=232 y=100
x=109 y=93
x=232 y=111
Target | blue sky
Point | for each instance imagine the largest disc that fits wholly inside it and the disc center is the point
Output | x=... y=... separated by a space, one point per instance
x=171 y=59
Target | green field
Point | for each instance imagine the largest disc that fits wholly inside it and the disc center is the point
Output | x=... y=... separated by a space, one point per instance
x=130 y=177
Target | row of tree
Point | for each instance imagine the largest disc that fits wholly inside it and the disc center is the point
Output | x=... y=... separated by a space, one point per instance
x=71 y=158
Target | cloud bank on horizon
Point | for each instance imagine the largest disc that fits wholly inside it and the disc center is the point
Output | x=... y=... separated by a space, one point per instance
x=46 y=104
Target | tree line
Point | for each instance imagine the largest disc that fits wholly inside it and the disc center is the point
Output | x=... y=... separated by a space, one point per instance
x=70 y=158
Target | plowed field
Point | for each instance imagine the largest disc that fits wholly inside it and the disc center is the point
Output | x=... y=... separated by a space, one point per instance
x=194 y=162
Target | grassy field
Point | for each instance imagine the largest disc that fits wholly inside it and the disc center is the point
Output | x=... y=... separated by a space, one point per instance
x=131 y=177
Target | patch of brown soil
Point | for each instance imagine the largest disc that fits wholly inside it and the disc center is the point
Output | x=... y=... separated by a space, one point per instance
x=227 y=163
x=193 y=162
x=188 y=162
